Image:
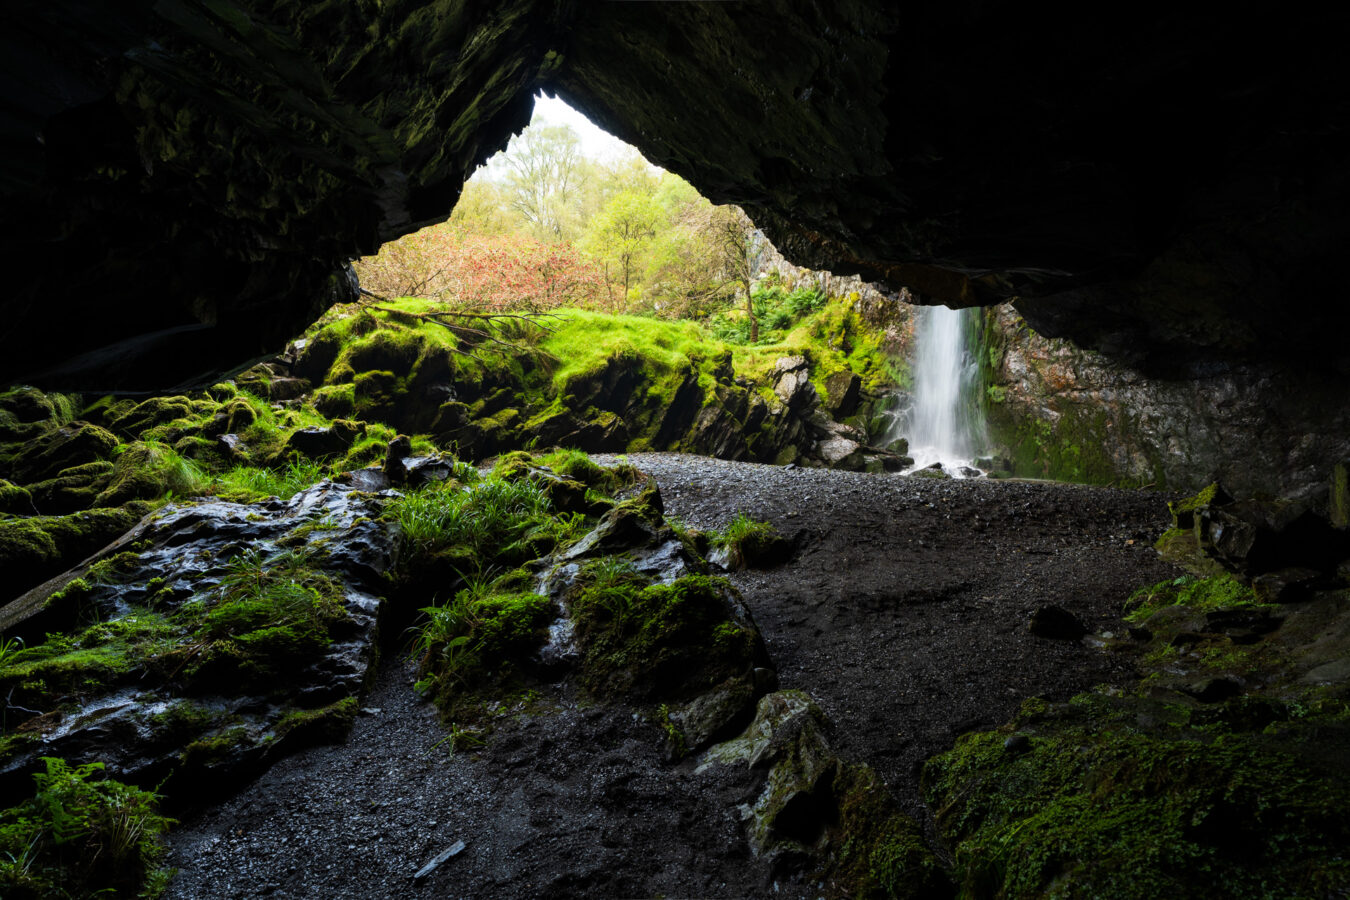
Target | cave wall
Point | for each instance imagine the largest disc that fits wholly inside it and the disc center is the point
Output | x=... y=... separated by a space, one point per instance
x=186 y=180
x=1057 y=410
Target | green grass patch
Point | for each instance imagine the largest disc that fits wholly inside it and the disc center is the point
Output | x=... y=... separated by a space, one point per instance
x=487 y=519
x=249 y=484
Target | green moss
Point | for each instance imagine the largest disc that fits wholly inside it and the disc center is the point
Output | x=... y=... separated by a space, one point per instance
x=39 y=547
x=324 y=725
x=150 y=470
x=210 y=749
x=94 y=659
x=1206 y=497
x=1339 y=502
x=652 y=642
x=883 y=852
x=1073 y=448
x=15 y=499
x=1088 y=806
x=1199 y=594
x=132 y=423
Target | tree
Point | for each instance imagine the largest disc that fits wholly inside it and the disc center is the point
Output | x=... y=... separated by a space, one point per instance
x=544 y=170
x=481 y=208
x=738 y=246
x=620 y=234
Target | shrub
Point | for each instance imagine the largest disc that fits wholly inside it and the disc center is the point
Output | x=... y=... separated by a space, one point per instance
x=77 y=837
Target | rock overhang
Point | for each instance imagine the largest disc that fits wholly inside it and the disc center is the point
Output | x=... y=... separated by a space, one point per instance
x=186 y=181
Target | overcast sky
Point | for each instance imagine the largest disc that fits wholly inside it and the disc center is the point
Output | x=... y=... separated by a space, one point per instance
x=595 y=142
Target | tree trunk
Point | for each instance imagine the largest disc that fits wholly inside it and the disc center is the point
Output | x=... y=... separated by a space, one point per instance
x=750 y=311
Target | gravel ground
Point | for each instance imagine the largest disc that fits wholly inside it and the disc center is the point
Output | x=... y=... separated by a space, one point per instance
x=904 y=613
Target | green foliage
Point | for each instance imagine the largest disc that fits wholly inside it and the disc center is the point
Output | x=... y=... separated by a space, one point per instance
x=1199 y=594
x=777 y=309
x=487 y=519
x=249 y=484
x=80 y=837
x=150 y=470
x=478 y=640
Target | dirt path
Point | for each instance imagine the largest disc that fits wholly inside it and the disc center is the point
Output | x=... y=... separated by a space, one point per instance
x=904 y=614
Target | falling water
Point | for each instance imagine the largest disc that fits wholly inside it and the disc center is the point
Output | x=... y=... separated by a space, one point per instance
x=946 y=422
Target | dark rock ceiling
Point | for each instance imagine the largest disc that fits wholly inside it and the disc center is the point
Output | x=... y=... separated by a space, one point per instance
x=184 y=179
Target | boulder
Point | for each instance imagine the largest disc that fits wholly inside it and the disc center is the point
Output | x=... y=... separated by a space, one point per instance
x=843 y=390
x=1056 y=623
x=57 y=449
x=792 y=383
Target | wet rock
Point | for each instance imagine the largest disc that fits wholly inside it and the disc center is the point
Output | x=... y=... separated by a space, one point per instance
x=1056 y=623
x=444 y=856
x=816 y=813
x=843 y=390
x=318 y=443
x=399 y=449
x=206 y=721
x=841 y=453
x=421 y=470
x=712 y=714
x=1287 y=585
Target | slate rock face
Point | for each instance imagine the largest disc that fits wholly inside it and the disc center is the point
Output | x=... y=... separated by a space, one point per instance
x=187 y=676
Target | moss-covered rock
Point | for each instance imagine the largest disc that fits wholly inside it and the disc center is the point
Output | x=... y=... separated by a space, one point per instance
x=36 y=548
x=1076 y=800
x=56 y=449
x=72 y=489
x=662 y=641
x=149 y=471
x=135 y=421
x=15 y=499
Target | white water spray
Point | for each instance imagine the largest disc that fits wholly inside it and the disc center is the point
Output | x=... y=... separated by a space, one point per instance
x=946 y=422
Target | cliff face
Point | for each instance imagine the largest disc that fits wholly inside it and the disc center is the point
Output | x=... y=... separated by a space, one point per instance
x=184 y=181
x=1060 y=411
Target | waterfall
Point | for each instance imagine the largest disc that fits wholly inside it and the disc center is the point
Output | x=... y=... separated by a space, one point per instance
x=946 y=420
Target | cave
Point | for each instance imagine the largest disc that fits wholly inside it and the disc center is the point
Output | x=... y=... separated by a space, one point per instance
x=1163 y=189
x=185 y=183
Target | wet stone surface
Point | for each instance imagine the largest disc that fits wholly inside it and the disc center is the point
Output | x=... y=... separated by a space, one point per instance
x=196 y=711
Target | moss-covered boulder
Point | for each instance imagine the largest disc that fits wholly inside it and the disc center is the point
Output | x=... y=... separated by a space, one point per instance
x=148 y=471
x=55 y=449
x=36 y=548
x=15 y=499
x=72 y=489
x=816 y=811
x=1080 y=800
